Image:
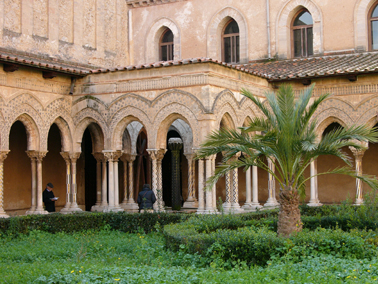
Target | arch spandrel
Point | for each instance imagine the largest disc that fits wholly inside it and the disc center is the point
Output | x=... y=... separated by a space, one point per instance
x=283 y=26
x=214 y=33
x=223 y=98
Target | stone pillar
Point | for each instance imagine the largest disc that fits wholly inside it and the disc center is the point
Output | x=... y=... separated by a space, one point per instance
x=3 y=156
x=66 y=157
x=248 y=192
x=104 y=191
x=110 y=156
x=74 y=207
x=191 y=202
x=157 y=156
x=131 y=205
x=214 y=189
x=175 y=145
x=235 y=188
x=33 y=157
x=255 y=190
x=227 y=203
x=99 y=158
x=201 y=184
x=358 y=154
x=209 y=193
x=116 y=156
x=314 y=201
x=272 y=201
x=39 y=209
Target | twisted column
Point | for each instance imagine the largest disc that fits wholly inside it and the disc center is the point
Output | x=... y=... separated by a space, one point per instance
x=39 y=209
x=235 y=187
x=66 y=157
x=157 y=156
x=33 y=157
x=314 y=201
x=3 y=156
x=358 y=154
x=227 y=203
x=201 y=184
x=191 y=202
x=272 y=201
x=74 y=206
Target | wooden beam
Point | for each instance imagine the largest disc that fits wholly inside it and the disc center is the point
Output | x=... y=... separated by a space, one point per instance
x=49 y=74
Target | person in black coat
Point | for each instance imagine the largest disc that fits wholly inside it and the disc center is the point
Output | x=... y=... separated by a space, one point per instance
x=146 y=199
x=49 y=198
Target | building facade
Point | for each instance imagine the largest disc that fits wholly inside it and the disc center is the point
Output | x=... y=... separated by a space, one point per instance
x=91 y=92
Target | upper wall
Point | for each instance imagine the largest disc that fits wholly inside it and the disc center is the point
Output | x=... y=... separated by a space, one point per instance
x=198 y=24
x=86 y=31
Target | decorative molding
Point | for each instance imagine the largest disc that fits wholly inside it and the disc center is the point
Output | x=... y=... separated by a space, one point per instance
x=145 y=3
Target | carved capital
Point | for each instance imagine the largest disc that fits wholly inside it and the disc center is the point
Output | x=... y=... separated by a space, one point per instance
x=75 y=156
x=32 y=154
x=358 y=154
x=190 y=156
x=175 y=144
x=66 y=157
x=130 y=157
x=98 y=156
x=157 y=154
x=211 y=157
x=3 y=155
x=112 y=156
x=40 y=155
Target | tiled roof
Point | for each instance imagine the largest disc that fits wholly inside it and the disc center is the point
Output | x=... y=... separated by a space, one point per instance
x=313 y=67
x=42 y=62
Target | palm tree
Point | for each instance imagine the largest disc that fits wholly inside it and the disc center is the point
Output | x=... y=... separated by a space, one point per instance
x=285 y=135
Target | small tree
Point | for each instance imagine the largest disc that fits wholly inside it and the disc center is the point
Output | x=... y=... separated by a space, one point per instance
x=286 y=136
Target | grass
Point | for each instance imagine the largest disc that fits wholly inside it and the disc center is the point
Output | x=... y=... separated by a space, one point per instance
x=115 y=257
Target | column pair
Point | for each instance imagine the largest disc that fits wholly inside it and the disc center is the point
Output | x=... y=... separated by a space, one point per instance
x=254 y=203
x=157 y=156
x=314 y=200
x=358 y=154
x=36 y=158
x=113 y=190
x=101 y=183
x=128 y=203
x=71 y=185
x=272 y=201
x=232 y=190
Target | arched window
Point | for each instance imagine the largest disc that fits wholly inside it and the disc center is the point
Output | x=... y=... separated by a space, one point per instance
x=373 y=26
x=166 y=45
x=231 y=49
x=302 y=35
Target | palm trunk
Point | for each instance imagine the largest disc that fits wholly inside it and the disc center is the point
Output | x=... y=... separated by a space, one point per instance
x=289 y=216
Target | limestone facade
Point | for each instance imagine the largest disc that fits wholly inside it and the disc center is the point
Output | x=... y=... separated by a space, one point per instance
x=84 y=132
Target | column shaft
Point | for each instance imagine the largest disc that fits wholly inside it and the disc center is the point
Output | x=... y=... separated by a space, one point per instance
x=255 y=190
x=314 y=201
x=248 y=192
x=3 y=156
x=201 y=198
x=272 y=201
x=209 y=193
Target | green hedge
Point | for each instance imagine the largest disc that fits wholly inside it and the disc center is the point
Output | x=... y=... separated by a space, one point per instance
x=220 y=239
x=122 y=221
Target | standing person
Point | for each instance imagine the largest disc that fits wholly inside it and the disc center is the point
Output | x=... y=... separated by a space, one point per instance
x=146 y=199
x=49 y=198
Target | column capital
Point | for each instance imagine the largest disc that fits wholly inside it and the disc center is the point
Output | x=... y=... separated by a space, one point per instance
x=3 y=155
x=74 y=156
x=189 y=156
x=130 y=157
x=211 y=157
x=40 y=155
x=358 y=153
x=66 y=156
x=112 y=156
x=156 y=154
x=32 y=154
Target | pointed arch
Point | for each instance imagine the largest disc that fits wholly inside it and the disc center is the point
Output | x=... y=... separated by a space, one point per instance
x=65 y=133
x=32 y=131
x=361 y=36
x=322 y=125
x=214 y=33
x=97 y=134
x=283 y=23
x=153 y=38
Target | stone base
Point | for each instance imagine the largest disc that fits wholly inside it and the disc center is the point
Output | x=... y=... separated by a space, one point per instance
x=98 y=208
x=359 y=202
x=271 y=203
x=251 y=207
x=3 y=215
x=190 y=204
x=130 y=207
x=314 y=204
x=73 y=210
x=39 y=211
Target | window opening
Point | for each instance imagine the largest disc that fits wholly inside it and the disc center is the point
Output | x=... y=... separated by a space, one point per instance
x=231 y=45
x=166 y=46
x=302 y=35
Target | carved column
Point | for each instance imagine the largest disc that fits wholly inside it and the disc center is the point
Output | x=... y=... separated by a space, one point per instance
x=191 y=202
x=33 y=157
x=209 y=193
x=99 y=158
x=104 y=187
x=272 y=201
x=235 y=188
x=157 y=156
x=255 y=193
x=131 y=204
x=66 y=157
x=358 y=154
x=314 y=201
x=227 y=203
x=248 y=192
x=74 y=206
x=175 y=145
x=201 y=184
x=116 y=156
x=3 y=156
x=39 y=209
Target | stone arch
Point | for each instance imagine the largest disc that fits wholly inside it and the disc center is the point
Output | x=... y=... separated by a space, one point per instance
x=153 y=37
x=361 y=37
x=133 y=130
x=231 y=119
x=326 y=122
x=166 y=117
x=227 y=121
x=65 y=133
x=181 y=127
x=32 y=131
x=283 y=26
x=97 y=134
x=214 y=33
